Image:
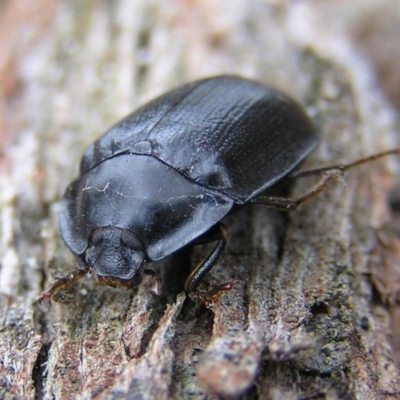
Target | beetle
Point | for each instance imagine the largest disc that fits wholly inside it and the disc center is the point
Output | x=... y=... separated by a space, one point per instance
x=167 y=174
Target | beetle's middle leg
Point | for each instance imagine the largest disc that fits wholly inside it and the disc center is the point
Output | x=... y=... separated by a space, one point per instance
x=205 y=266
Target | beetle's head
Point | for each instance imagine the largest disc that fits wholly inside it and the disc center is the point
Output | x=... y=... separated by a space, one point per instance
x=116 y=256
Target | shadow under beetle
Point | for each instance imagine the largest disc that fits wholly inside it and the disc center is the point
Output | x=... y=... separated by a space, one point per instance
x=167 y=174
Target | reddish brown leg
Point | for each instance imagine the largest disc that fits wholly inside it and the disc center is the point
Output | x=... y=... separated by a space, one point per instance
x=345 y=167
x=289 y=204
x=330 y=173
x=62 y=284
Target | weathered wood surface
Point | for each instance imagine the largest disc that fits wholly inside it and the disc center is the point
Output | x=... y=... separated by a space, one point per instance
x=313 y=314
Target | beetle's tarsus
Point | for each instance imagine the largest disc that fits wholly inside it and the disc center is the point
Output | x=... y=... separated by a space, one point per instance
x=211 y=296
x=45 y=296
x=152 y=282
x=227 y=285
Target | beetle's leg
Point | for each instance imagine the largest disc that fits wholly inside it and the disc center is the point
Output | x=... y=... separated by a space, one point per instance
x=212 y=235
x=152 y=282
x=289 y=203
x=330 y=173
x=198 y=273
x=344 y=167
x=62 y=284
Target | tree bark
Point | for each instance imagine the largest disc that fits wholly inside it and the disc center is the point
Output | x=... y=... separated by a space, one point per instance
x=313 y=311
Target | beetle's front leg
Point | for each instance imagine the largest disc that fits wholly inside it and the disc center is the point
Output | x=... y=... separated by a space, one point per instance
x=62 y=284
x=205 y=266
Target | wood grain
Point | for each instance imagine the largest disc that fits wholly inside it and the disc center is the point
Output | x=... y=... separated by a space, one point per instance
x=309 y=315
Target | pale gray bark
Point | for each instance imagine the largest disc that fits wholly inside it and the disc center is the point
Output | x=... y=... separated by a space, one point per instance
x=317 y=292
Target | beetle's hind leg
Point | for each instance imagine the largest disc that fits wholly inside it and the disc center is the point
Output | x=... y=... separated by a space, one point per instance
x=205 y=266
x=330 y=174
x=289 y=203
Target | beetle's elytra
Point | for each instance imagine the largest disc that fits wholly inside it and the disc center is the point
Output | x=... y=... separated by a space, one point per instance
x=167 y=174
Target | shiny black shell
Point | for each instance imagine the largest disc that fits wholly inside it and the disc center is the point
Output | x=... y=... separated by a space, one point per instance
x=175 y=167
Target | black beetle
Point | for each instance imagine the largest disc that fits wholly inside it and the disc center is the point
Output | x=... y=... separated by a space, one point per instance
x=167 y=174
